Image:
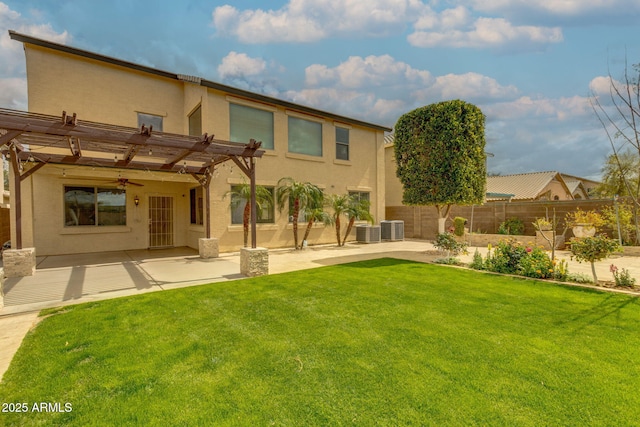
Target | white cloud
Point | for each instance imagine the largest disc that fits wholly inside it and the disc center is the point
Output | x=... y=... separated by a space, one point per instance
x=240 y=64
x=313 y=20
x=526 y=107
x=482 y=33
x=13 y=84
x=557 y=7
x=468 y=86
x=373 y=70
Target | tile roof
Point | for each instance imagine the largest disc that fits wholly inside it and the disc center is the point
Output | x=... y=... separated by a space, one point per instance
x=525 y=186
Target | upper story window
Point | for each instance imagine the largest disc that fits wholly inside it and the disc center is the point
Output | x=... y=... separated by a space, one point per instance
x=342 y=143
x=249 y=123
x=195 y=122
x=94 y=206
x=150 y=120
x=305 y=137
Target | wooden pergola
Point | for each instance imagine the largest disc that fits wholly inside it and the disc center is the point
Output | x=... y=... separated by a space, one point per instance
x=37 y=140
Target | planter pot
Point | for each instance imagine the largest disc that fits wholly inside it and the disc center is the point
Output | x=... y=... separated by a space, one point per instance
x=583 y=230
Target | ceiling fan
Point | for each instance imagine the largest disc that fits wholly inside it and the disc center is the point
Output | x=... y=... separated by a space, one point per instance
x=123 y=182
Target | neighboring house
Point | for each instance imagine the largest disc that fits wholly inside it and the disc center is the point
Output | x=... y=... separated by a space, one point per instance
x=521 y=187
x=73 y=207
x=538 y=186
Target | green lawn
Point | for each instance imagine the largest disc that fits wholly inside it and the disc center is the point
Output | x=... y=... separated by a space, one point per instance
x=383 y=342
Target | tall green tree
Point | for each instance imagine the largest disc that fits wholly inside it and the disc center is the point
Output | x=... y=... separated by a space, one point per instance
x=241 y=194
x=298 y=196
x=440 y=157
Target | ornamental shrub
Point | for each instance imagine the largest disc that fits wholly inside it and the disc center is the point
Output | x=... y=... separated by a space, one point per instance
x=458 y=226
x=513 y=226
x=537 y=264
x=447 y=242
x=477 y=263
x=593 y=249
x=506 y=257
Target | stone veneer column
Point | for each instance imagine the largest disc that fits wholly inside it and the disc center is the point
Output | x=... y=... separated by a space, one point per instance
x=19 y=262
x=254 y=261
x=208 y=248
x=1 y=288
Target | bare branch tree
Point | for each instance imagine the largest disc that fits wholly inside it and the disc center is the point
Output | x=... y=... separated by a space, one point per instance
x=620 y=120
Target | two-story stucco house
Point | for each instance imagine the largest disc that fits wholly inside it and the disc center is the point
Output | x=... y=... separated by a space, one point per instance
x=68 y=206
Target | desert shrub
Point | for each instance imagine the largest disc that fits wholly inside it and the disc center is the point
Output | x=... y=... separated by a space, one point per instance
x=579 y=278
x=536 y=263
x=627 y=226
x=512 y=226
x=448 y=261
x=477 y=263
x=560 y=269
x=506 y=257
x=458 y=225
x=622 y=278
x=447 y=242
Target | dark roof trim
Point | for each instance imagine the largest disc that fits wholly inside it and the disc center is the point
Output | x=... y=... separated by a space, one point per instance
x=207 y=83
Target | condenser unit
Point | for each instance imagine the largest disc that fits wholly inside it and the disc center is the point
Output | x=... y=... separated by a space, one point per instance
x=392 y=230
x=368 y=233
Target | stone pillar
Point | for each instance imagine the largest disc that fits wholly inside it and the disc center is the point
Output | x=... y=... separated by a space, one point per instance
x=1 y=288
x=208 y=248
x=19 y=262
x=254 y=261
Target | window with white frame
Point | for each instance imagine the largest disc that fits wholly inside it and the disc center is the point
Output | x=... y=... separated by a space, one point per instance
x=342 y=143
x=94 y=206
x=305 y=137
x=265 y=214
x=150 y=120
x=247 y=123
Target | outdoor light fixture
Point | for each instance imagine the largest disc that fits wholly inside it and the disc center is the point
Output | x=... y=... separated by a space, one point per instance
x=136 y=200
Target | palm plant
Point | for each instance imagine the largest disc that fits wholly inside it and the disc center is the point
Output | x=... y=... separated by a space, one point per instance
x=340 y=205
x=242 y=194
x=299 y=196
x=357 y=209
x=315 y=213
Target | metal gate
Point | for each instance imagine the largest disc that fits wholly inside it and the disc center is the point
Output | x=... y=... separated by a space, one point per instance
x=160 y=221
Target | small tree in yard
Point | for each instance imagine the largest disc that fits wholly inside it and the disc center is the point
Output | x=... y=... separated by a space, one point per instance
x=593 y=249
x=299 y=196
x=440 y=158
x=356 y=210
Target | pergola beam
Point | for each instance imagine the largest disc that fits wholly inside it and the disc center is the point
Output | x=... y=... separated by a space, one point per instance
x=56 y=140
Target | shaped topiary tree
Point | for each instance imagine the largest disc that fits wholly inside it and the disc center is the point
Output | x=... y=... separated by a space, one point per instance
x=440 y=158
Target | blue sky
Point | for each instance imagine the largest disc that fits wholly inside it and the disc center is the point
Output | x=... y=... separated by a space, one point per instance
x=530 y=65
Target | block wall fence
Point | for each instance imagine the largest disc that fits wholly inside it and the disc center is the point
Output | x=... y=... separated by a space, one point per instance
x=421 y=222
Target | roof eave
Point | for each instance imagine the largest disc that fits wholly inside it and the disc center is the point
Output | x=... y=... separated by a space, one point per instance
x=207 y=83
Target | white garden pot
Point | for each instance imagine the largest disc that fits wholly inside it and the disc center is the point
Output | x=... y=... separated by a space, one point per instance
x=583 y=230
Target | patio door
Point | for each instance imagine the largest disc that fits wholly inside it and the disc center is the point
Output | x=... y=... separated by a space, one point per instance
x=160 y=221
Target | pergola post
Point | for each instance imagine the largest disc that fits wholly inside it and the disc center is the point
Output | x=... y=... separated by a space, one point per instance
x=17 y=205
x=254 y=208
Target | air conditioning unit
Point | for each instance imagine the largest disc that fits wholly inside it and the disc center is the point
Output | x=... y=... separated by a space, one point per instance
x=368 y=233
x=392 y=230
